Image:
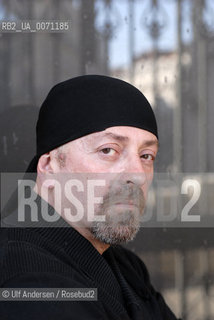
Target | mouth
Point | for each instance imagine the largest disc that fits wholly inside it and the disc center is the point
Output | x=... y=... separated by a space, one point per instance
x=128 y=203
x=125 y=203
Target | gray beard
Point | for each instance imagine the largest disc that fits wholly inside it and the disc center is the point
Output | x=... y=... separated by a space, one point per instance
x=115 y=233
x=119 y=226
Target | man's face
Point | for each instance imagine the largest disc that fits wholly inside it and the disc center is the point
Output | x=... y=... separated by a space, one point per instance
x=127 y=154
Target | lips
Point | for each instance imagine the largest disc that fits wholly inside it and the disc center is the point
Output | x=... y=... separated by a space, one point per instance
x=126 y=202
x=130 y=202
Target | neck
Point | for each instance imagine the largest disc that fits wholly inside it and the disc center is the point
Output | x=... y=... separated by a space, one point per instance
x=98 y=245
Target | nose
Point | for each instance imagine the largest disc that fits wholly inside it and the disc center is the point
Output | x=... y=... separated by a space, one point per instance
x=134 y=171
x=138 y=179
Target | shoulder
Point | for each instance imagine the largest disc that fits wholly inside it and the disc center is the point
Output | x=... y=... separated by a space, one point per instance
x=24 y=262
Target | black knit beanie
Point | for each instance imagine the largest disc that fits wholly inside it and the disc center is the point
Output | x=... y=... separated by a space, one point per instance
x=87 y=104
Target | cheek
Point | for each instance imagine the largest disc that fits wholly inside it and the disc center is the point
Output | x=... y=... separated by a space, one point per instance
x=145 y=189
x=149 y=179
x=149 y=172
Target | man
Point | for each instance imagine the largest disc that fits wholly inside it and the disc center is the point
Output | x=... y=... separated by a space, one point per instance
x=96 y=133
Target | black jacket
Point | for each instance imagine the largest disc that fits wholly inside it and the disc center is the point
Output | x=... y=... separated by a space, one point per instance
x=60 y=257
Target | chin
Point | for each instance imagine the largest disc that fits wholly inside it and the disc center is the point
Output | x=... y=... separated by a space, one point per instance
x=114 y=235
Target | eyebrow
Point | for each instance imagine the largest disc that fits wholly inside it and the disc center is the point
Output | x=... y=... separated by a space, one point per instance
x=120 y=138
x=149 y=143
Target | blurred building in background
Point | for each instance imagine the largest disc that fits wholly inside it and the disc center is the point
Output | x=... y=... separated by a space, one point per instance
x=179 y=84
x=31 y=63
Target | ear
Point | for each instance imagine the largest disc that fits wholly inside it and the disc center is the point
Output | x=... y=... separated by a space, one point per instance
x=45 y=164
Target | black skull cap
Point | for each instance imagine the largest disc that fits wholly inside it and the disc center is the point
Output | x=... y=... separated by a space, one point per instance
x=86 y=104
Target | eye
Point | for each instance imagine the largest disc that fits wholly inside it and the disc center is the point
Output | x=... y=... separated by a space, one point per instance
x=148 y=157
x=108 y=151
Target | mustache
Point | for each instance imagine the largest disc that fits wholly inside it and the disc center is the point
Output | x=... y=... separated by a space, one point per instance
x=124 y=193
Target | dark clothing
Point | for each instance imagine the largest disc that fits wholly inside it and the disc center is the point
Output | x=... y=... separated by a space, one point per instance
x=62 y=258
